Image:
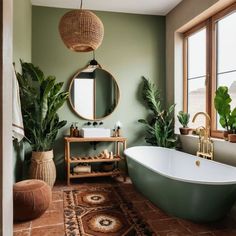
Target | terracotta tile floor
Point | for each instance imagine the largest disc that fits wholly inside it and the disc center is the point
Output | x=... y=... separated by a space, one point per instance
x=51 y=222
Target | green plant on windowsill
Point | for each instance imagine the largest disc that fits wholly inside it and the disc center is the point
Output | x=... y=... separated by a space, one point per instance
x=222 y=102
x=160 y=125
x=183 y=118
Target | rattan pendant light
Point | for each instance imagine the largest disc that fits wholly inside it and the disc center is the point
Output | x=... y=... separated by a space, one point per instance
x=81 y=30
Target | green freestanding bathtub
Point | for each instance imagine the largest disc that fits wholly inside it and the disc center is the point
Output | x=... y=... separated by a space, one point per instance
x=181 y=184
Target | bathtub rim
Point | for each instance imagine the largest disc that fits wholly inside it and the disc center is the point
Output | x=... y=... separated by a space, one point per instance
x=178 y=178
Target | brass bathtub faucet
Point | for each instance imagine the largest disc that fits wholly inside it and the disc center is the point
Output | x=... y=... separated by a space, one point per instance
x=205 y=144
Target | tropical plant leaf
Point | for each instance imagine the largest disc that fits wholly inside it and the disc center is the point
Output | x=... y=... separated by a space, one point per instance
x=57 y=87
x=160 y=126
x=222 y=102
x=31 y=72
x=40 y=100
x=151 y=95
x=142 y=121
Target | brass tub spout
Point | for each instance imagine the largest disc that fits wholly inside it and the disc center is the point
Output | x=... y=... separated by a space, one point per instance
x=208 y=122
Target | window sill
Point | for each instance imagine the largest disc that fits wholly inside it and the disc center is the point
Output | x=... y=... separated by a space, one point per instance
x=220 y=140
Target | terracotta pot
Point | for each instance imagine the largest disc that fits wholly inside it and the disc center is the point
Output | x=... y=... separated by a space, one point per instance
x=185 y=131
x=42 y=167
x=232 y=138
x=226 y=134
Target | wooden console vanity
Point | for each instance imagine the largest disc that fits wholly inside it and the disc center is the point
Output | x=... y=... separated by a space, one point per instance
x=71 y=160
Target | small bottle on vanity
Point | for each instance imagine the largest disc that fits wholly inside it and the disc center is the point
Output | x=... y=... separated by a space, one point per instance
x=118 y=131
x=72 y=130
x=114 y=133
x=111 y=155
x=118 y=127
x=76 y=132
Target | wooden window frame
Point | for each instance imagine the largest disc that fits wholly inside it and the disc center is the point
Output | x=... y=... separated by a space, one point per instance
x=211 y=64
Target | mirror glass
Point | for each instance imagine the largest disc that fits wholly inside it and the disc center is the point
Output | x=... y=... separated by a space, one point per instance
x=94 y=93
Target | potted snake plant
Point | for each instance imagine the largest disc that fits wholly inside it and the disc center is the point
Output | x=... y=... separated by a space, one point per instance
x=40 y=100
x=227 y=116
x=183 y=118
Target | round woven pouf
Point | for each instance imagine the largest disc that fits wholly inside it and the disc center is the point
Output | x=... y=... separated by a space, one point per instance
x=31 y=198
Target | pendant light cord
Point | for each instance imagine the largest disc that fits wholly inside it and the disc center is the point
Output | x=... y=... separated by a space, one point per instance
x=93 y=62
x=81 y=4
x=93 y=55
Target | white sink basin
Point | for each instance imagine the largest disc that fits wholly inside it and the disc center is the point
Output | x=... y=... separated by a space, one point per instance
x=95 y=132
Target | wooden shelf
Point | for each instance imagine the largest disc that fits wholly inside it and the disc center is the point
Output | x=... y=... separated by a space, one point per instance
x=69 y=159
x=93 y=159
x=95 y=174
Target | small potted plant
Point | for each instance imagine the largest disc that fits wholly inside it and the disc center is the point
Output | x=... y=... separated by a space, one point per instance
x=227 y=119
x=183 y=118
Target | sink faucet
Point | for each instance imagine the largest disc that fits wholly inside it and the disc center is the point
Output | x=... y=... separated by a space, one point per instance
x=205 y=144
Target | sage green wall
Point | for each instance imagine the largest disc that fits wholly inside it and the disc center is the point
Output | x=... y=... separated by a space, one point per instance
x=133 y=46
x=22 y=47
x=22 y=19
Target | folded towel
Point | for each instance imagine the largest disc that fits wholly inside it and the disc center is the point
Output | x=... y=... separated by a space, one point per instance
x=17 y=121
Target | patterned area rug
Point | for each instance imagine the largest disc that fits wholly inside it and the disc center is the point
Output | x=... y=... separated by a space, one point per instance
x=101 y=211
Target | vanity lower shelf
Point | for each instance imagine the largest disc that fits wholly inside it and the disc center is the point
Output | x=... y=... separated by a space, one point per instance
x=96 y=174
x=94 y=160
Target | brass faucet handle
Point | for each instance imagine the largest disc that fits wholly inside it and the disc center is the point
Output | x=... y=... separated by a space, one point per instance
x=200 y=131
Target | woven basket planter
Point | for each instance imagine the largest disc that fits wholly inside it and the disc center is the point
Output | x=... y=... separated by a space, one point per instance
x=81 y=30
x=42 y=167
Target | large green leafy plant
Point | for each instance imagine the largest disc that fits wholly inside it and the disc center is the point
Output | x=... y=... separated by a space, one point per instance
x=160 y=124
x=40 y=100
x=222 y=102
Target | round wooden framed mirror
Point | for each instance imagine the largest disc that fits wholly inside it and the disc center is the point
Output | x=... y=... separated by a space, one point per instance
x=93 y=93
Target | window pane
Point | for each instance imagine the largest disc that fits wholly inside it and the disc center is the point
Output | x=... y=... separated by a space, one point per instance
x=196 y=76
x=226 y=38
x=226 y=51
x=197 y=54
x=196 y=100
x=229 y=80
